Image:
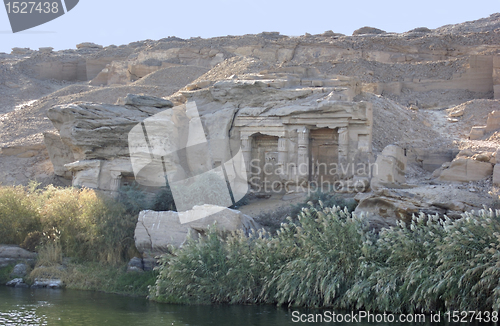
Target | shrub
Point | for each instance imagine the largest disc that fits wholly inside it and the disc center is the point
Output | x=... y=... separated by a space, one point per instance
x=49 y=255
x=133 y=199
x=164 y=200
x=468 y=260
x=328 y=259
x=399 y=267
x=19 y=214
x=85 y=224
x=327 y=199
x=272 y=220
x=329 y=242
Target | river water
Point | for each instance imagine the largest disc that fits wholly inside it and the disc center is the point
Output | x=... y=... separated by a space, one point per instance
x=29 y=307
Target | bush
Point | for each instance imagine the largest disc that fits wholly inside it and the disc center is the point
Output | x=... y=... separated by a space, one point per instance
x=329 y=242
x=272 y=220
x=133 y=199
x=85 y=225
x=434 y=265
x=327 y=199
x=397 y=268
x=19 y=214
x=164 y=200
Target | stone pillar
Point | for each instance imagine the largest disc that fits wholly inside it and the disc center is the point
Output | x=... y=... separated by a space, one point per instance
x=246 y=149
x=282 y=157
x=116 y=178
x=496 y=76
x=303 y=155
x=343 y=148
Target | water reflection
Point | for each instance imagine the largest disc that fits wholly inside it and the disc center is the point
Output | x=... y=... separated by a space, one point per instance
x=74 y=308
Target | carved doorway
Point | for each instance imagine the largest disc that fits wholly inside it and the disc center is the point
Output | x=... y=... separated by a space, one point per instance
x=324 y=158
x=264 y=166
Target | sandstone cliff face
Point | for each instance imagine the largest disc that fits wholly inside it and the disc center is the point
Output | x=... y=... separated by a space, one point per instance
x=257 y=93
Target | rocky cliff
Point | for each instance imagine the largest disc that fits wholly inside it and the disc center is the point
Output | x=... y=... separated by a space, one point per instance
x=429 y=92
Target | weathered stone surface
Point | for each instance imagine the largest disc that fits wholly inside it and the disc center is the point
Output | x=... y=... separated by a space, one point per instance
x=156 y=230
x=226 y=219
x=457 y=113
x=17 y=283
x=15 y=252
x=47 y=49
x=59 y=153
x=384 y=207
x=88 y=45
x=368 y=30
x=465 y=170
x=389 y=169
x=10 y=255
x=97 y=131
x=482 y=157
x=143 y=100
x=47 y=283
x=493 y=122
x=496 y=175
x=20 y=270
x=135 y=265
x=21 y=51
x=477 y=132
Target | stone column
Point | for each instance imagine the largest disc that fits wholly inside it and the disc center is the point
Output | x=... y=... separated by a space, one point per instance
x=282 y=157
x=246 y=149
x=303 y=155
x=116 y=178
x=343 y=148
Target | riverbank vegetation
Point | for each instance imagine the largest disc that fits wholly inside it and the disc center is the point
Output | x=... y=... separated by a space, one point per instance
x=85 y=225
x=327 y=258
x=95 y=231
x=322 y=257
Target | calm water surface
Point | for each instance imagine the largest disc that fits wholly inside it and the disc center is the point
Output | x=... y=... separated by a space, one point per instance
x=29 y=307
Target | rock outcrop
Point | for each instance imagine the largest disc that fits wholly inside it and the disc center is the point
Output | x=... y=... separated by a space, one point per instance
x=464 y=169
x=301 y=110
x=384 y=207
x=10 y=254
x=155 y=231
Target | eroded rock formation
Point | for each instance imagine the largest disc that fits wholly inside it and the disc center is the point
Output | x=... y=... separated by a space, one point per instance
x=310 y=101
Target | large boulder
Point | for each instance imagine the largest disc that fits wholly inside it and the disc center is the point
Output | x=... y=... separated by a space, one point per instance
x=156 y=230
x=389 y=169
x=10 y=254
x=464 y=169
x=384 y=207
x=368 y=30
x=99 y=130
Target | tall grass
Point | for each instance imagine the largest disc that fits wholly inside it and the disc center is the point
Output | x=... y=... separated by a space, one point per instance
x=85 y=225
x=263 y=268
x=19 y=214
x=327 y=258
